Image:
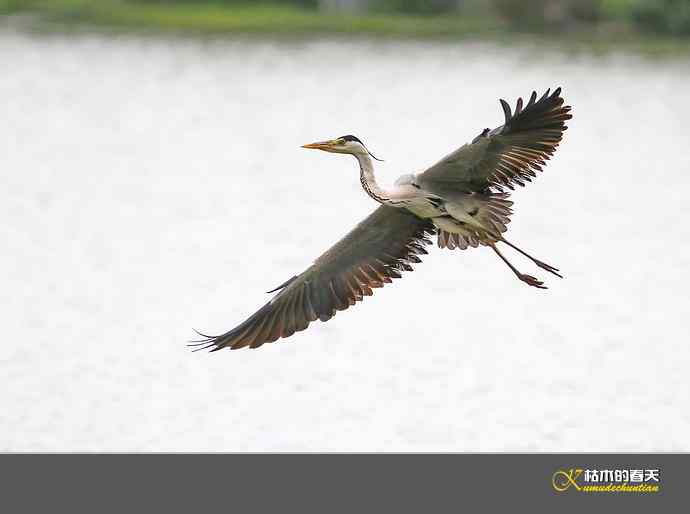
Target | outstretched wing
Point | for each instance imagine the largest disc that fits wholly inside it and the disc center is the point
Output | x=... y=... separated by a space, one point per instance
x=508 y=155
x=373 y=253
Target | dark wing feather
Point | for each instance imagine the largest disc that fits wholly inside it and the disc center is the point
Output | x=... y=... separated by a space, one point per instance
x=508 y=155
x=373 y=253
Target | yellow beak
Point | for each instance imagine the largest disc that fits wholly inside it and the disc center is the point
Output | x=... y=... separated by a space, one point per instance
x=321 y=145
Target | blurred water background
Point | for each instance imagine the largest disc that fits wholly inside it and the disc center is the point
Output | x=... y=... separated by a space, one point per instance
x=154 y=184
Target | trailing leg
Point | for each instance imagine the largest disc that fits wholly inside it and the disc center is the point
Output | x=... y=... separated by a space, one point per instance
x=528 y=279
x=539 y=263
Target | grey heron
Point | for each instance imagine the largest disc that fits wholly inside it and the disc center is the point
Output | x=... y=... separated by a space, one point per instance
x=461 y=199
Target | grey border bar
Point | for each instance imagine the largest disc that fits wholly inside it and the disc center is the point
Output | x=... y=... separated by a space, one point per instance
x=129 y=483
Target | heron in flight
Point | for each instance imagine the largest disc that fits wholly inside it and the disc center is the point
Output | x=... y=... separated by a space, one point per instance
x=462 y=200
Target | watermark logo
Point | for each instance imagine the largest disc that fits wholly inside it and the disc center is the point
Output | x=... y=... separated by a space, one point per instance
x=606 y=480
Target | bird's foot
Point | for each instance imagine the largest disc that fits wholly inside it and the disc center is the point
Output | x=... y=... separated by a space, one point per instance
x=532 y=281
x=548 y=268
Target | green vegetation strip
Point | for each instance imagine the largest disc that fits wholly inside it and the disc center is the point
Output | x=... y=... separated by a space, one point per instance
x=216 y=18
x=209 y=17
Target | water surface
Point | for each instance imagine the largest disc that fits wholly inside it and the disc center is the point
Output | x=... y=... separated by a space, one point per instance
x=152 y=185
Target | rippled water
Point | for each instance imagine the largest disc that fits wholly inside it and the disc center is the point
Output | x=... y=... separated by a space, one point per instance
x=151 y=185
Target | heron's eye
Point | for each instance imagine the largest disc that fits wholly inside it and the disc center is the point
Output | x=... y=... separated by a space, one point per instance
x=340 y=141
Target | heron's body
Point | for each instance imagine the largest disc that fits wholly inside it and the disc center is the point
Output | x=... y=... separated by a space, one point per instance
x=466 y=214
x=461 y=199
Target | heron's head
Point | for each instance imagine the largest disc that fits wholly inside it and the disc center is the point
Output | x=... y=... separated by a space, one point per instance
x=344 y=144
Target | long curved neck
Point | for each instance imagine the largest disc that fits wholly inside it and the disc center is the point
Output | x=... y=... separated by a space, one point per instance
x=368 y=180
